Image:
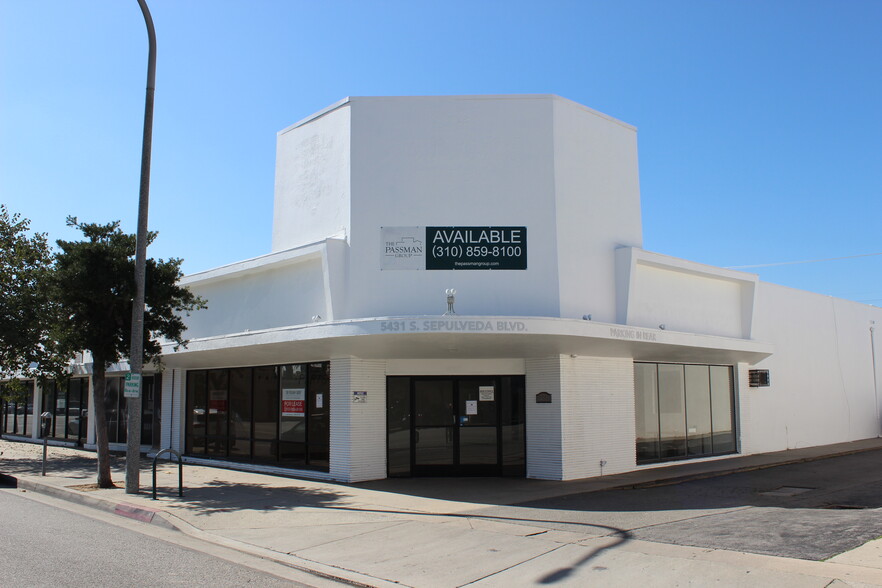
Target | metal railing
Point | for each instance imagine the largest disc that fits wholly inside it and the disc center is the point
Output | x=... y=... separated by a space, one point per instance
x=180 y=470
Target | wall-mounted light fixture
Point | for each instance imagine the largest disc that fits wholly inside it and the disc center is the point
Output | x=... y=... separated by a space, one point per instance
x=451 y=298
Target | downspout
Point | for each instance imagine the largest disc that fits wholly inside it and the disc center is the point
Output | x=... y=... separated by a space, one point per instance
x=875 y=379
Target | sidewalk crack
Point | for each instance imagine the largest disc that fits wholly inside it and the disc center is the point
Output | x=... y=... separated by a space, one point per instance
x=368 y=532
x=497 y=572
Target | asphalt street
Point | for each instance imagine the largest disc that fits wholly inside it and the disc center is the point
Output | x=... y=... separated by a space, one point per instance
x=812 y=510
x=43 y=545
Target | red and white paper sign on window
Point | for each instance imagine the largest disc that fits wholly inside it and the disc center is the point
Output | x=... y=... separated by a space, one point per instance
x=217 y=400
x=293 y=402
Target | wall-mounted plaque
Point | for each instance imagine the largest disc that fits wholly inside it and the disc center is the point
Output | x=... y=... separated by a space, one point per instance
x=543 y=398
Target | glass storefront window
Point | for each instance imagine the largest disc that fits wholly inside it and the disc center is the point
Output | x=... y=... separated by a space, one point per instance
x=319 y=414
x=698 y=411
x=269 y=414
x=112 y=409
x=266 y=414
x=721 y=409
x=196 y=413
x=646 y=404
x=671 y=409
x=292 y=430
x=683 y=411
x=27 y=409
x=217 y=426
x=240 y=413
x=18 y=408
x=77 y=410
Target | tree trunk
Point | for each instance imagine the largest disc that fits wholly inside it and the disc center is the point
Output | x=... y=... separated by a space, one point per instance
x=99 y=394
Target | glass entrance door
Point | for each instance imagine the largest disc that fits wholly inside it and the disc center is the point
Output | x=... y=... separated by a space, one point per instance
x=434 y=424
x=478 y=418
x=456 y=426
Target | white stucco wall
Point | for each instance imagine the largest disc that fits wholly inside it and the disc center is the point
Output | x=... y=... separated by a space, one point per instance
x=822 y=375
x=654 y=289
x=312 y=179
x=452 y=161
x=277 y=296
x=597 y=206
x=686 y=302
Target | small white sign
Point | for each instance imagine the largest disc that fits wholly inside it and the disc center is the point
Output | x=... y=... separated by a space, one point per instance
x=486 y=393
x=471 y=407
x=319 y=400
x=132 y=387
x=359 y=397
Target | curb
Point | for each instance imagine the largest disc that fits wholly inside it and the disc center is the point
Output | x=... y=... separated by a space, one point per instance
x=737 y=470
x=145 y=515
x=171 y=522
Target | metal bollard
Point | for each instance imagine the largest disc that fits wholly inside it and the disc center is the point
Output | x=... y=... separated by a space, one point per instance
x=45 y=422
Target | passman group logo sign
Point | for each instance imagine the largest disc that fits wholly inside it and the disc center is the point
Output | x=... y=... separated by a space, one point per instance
x=403 y=248
x=454 y=248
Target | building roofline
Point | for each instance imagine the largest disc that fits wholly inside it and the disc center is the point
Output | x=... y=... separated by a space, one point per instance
x=350 y=99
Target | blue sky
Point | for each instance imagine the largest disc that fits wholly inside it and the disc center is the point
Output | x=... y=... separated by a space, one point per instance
x=759 y=122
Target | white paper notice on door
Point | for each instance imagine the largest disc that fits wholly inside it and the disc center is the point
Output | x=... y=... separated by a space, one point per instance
x=471 y=407
x=485 y=393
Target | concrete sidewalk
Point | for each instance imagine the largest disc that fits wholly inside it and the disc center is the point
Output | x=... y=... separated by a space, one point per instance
x=429 y=532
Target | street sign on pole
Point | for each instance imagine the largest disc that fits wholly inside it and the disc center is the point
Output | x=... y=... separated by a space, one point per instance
x=133 y=386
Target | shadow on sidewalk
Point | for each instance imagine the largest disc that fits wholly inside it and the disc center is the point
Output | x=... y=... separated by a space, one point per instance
x=70 y=466
x=218 y=496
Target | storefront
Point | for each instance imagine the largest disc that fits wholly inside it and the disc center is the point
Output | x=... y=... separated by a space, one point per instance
x=457 y=286
x=18 y=409
x=71 y=415
x=272 y=415
x=69 y=406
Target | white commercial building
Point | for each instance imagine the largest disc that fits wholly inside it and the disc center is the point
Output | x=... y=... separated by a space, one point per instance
x=457 y=286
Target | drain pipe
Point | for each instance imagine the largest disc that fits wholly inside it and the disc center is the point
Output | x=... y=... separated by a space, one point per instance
x=875 y=380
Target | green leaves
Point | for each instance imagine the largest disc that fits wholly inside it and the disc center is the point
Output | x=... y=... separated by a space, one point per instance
x=26 y=307
x=55 y=304
x=94 y=282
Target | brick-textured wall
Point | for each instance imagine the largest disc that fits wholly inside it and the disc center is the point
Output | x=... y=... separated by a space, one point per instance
x=590 y=418
x=598 y=416
x=544 y=459
x=173 y=421
x=358 y=430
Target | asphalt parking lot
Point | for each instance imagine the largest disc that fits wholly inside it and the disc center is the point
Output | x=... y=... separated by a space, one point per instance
x=812 y=510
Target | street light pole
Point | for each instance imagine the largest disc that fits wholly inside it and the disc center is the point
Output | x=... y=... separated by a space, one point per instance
x=136 y=356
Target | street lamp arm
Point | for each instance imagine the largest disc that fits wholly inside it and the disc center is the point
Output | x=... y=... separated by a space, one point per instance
x=151 y=39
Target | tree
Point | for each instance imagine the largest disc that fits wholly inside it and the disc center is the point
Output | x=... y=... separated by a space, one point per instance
x=94 y=286
x=27 y=311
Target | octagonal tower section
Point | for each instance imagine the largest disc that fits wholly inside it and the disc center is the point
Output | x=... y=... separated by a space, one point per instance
x=394 y=178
